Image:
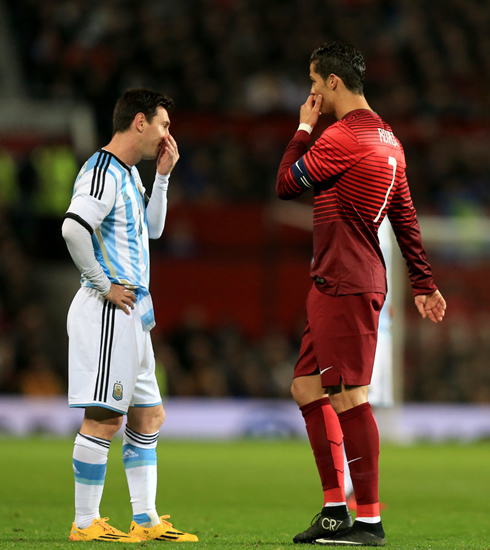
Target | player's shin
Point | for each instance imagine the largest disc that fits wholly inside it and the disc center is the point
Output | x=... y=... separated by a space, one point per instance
x=140 y=463
x=89 y=466
x=361 y=440
x=325 y=435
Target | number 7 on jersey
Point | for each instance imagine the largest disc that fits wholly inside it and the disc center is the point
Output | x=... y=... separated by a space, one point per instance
x=391 y=162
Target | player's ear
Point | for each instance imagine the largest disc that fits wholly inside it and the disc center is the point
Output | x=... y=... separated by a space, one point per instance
x=139 y=122
x=333 y=80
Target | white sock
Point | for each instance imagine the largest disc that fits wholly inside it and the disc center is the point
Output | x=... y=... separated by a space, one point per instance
x=375 y=519
x=89 y=466
x=349 y=488
x=140 y=463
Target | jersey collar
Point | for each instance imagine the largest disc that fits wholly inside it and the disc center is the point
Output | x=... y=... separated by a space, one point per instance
x=355 y=111
x=102 y=150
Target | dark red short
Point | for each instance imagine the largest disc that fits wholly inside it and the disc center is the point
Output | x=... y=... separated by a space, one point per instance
x=340 y=337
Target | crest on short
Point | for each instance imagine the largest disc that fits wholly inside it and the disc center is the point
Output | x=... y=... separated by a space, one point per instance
x=117 y=391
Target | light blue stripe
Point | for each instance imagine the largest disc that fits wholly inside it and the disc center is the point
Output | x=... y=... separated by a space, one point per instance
x=123 y=232
x=112 y=172
x=108 y=233
x=92 y=161
x=144 y=241
x=135 y=457
x=139 y=463
x=89 y=166
x=148 y=317
x=142 y=518
x=152 y=405
x=87 y=481
x=132 y=229
x=89 y=474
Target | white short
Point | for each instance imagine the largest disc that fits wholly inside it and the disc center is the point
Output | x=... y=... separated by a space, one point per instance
x=381 y=386
x=110 y=357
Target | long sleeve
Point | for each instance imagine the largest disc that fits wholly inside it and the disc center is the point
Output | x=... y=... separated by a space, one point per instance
x=156 y=211
x=79 y=242
x=334 y=153
x=286 y=186
x=406 y=227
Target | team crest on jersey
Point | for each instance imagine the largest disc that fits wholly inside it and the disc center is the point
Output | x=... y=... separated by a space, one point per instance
x=138 y=184
x=117 y=391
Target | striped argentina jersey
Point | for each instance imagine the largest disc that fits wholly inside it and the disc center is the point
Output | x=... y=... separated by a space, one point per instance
x=357 y=172
x=109 y=201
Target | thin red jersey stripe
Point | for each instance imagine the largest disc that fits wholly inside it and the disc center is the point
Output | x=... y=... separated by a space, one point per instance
x=358 y=175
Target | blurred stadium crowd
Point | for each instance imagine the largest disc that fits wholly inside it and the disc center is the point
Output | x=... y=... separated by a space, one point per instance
x=238 y=71
x=428 y=70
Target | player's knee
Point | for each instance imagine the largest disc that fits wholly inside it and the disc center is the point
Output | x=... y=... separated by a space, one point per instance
x=101 y=422
x=115 y=425
x=348 y=398
x=307 y=389
x=112 y=426
x=161 y=416
x=146 y=420
x=295 y=392
x=157 y=417
x=300 y=394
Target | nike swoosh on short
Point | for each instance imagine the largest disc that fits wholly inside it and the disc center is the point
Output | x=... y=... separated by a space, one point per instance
x=324 y=370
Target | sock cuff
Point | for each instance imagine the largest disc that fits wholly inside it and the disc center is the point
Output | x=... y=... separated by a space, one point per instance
x=145 y=441
x=367 y=511
x=305 y=409
x=355 y=411
x=97 y=444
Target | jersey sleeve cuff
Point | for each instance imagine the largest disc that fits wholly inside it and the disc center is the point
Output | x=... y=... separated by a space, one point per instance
x=80 y=220
x=429 y=289
x=162 y=181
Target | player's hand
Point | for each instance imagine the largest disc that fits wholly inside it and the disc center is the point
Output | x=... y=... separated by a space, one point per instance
x=310 y=111
x=432 y=306
x=168 y=156
x=121 y=297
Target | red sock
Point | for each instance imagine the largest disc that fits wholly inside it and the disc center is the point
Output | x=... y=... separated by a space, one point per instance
x=361 y=440
x=323 y=427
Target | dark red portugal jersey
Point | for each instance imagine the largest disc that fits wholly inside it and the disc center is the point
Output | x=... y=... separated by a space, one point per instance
x=357 y=172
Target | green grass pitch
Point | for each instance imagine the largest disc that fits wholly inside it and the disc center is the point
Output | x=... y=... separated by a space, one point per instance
x=248 y=494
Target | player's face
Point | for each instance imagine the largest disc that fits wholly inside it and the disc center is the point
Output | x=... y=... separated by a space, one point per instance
x=156 y=134
x=319 y=87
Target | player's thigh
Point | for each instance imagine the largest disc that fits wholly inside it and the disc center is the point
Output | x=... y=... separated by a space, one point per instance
x=104 y=354
x=306 y=386
x=146 y=393
x=344 y=334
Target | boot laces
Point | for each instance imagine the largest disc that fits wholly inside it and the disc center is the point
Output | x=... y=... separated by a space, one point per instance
x=316 y=518
x=109 y=528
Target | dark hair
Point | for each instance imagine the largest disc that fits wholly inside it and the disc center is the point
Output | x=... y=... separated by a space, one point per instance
x=138 y=100
x=344 y=61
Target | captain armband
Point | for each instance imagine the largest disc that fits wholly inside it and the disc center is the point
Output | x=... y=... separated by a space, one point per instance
x=301 y=175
